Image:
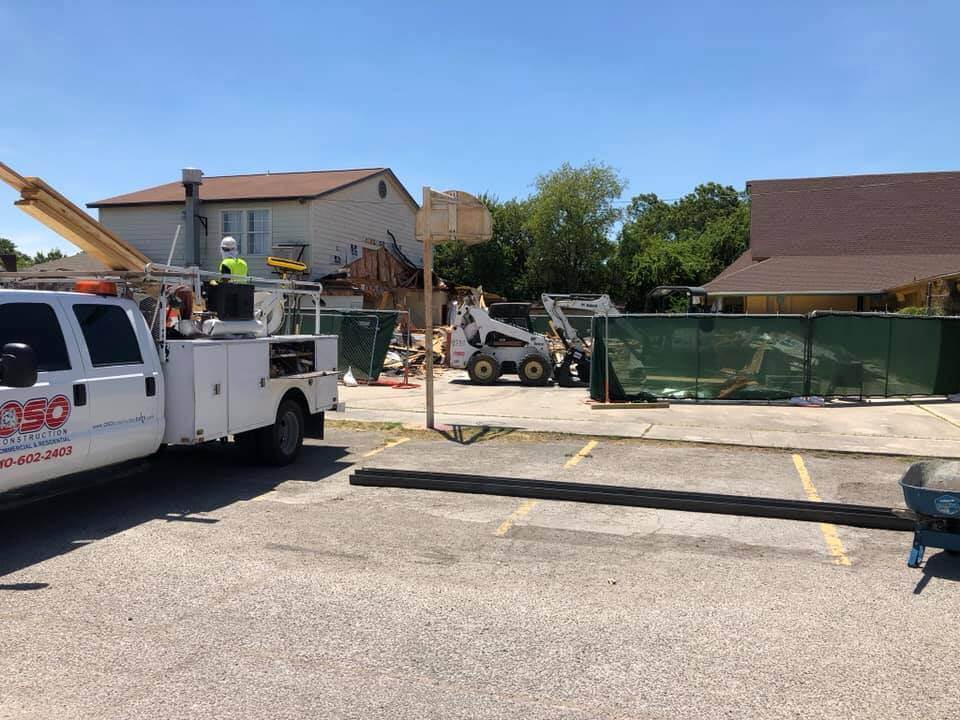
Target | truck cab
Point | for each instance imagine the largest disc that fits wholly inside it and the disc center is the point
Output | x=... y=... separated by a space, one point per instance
x=98 y=395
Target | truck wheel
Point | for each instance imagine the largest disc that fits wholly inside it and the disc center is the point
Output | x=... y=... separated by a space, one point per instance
x=534 y=370
x=280 y=443
x=483 y=369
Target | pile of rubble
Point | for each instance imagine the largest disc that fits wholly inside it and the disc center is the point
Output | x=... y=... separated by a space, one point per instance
x=409 y=350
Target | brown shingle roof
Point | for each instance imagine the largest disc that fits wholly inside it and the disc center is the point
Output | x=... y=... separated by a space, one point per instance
x=81 y=262
x=857 y=234
x=264 y=186
x=855 y=274
x=856 y=215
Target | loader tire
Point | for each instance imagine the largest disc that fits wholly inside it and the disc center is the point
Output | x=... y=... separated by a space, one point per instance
x=534 y=370
x=483 y=369
x=280 y=443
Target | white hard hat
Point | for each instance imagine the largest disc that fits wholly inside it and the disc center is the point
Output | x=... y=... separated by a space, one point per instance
x=228 y=244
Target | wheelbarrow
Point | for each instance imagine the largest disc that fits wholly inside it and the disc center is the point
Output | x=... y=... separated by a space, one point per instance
x=931 y=489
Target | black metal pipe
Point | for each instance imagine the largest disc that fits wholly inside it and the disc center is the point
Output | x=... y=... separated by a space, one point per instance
x=865 y=516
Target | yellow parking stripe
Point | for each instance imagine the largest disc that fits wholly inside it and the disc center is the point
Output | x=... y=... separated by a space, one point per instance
x=583 y=452
x=527 y=505
x=521 y=512
x=386 y=446
x=834 y=544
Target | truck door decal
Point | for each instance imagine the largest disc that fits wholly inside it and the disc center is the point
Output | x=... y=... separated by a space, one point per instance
x=33 y=415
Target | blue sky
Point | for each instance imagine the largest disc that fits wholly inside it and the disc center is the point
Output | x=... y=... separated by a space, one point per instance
x=104 y=98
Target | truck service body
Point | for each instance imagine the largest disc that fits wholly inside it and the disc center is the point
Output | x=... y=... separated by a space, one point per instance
x=106 y=392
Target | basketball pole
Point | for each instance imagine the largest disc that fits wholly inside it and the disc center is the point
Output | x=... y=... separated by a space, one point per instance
x=428 y=308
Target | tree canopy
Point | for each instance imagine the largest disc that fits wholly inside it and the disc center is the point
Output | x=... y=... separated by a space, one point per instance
x=498 y=265
x=570 y=235
x=687 y=242
x=570 y=220
x=8 y=247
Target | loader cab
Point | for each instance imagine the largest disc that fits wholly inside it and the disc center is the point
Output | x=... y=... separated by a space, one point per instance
x=512 y=313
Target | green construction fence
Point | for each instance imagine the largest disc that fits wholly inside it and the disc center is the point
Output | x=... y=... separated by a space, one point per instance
x=765 y=357
x=363 y=337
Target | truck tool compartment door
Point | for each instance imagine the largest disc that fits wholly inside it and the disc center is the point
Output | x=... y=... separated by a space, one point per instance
x=249 y=403
x=43 y=433
x=122 y=390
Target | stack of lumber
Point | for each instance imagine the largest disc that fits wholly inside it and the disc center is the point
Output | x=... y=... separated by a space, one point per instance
x=45 y=204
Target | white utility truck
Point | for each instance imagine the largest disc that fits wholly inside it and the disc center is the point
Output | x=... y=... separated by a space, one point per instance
x=92 y=379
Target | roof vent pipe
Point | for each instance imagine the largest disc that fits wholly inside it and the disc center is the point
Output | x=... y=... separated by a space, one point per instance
x=192 y=179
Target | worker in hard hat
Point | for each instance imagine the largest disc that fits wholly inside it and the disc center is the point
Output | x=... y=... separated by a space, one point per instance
x=231 y=263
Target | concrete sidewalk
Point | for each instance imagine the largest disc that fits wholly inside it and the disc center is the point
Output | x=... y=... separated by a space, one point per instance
x=922 y=427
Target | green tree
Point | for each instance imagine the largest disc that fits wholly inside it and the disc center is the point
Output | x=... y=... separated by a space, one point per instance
x=8 y=247
x=687 y=242
x=42 y=257
x=497 y=265
x=572 y=215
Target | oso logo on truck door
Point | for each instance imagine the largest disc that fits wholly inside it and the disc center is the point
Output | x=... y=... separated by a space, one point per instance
x=33 y=415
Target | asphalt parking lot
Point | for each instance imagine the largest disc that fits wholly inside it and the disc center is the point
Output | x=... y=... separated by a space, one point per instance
x=205 y=588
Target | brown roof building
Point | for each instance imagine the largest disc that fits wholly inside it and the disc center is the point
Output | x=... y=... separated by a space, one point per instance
x=259 y=186
x=326 y=218
x=860 y=242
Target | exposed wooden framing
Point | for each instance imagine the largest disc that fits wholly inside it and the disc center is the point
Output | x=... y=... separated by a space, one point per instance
x=46 y=205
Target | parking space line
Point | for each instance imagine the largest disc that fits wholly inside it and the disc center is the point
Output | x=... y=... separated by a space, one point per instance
x=386 y=446
x=581 y=454
x=935 y=414
x=834 y=544
x=521 y=512
x=524 y=508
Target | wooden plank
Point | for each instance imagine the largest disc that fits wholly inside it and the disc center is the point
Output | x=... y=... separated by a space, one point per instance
x=12 y=178
x=117 y=254
x=44 y=203
x=41 y=191
x=116 y=250
x=81 y=240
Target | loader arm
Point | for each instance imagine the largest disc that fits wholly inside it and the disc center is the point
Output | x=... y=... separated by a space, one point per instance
x=554 y=306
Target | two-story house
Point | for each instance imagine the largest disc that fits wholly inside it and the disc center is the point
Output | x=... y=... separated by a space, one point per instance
x=331 y=215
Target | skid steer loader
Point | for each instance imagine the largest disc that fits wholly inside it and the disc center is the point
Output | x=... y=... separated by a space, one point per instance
x=488 y=348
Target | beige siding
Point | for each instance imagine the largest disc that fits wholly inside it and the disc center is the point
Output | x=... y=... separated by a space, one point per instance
x=289 y=223
x=356 y=216
x=797 y=304
x=148 y=228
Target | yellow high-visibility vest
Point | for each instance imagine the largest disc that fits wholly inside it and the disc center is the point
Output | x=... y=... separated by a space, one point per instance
x=234 y=266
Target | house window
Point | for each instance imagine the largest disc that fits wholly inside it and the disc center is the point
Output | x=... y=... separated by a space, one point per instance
x=354 y=250
x=258 y=232
x=250 y=228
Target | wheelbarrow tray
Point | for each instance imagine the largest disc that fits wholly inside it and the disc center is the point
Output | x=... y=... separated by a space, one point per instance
x=931 y=489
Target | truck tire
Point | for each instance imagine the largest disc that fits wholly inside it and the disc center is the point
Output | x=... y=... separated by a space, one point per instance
x=483 y=369
x=534 y=370
x=280 y=443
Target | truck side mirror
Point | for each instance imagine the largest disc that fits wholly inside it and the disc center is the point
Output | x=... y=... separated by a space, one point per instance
x=18 y=366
